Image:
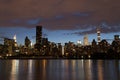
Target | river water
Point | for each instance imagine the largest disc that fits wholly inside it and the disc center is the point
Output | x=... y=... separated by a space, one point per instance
x=59 y=69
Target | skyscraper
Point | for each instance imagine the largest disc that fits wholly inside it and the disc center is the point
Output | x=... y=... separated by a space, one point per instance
x=86 y=40
x=15 y=41
x=98 y=35
x=38 y=37
x=10 y=45
x=38 y=34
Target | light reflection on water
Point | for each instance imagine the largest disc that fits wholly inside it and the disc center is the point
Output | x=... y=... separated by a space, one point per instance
x=14 y=69
x=59 y=69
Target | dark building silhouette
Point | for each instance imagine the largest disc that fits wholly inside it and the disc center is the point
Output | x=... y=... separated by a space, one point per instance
x=38 y=34
x=44 y=41
x=116 y=37
x=8 y=41
x=116 y=44
x=45 y=46
x=38 y=37
x=27 y=41
x=94 y=43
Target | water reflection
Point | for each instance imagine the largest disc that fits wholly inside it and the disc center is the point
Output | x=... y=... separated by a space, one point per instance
x=14 y=69
x=88 y=69
x=59 y=69
x=100 y=70
x=30 y=69
x=44 y=63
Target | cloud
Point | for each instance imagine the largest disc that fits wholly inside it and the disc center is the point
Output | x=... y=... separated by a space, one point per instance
x=104 y=28
x=60 y=14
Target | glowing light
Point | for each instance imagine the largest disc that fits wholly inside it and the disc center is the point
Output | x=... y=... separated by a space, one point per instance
x=62 y=50
x=78 y=42
x=89 y=56
x=15 y=39
x=31 y=44
x=0 y=56
x=82 y=57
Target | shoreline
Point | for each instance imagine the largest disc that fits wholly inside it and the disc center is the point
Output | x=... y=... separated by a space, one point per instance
x=57 y=58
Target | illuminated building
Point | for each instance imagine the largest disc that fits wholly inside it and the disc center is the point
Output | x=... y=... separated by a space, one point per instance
x=98 y=35
x=32 y=45
x=10 y=45
x=85 y=41
x=15 y=41
x=79 y=43
x=62 y=50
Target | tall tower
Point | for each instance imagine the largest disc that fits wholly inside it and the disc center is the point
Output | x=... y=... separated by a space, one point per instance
x=38 y=37
x=86 y=40
x=38 y=34
x=98 y=35
x=15 y=40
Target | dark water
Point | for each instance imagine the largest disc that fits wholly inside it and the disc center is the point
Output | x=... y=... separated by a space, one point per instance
x=59 y=69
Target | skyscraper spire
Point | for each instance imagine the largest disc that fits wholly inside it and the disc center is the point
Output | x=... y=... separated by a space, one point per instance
x=15 y=39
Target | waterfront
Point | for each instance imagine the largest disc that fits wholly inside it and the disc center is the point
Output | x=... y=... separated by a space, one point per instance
x=55 y=69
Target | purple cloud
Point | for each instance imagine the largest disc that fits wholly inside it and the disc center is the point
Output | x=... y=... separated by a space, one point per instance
x=105 y=29
x=60 y=14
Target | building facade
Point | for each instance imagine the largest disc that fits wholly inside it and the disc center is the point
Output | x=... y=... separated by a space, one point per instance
x=38 y=37
x=98 y=35
x=85 y=40
x=10 y=45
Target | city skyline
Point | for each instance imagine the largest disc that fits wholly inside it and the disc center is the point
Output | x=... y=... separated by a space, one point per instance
x=59 y=36
x=62 y=20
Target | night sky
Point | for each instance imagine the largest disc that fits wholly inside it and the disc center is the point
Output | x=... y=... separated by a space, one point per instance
x=62 y=20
